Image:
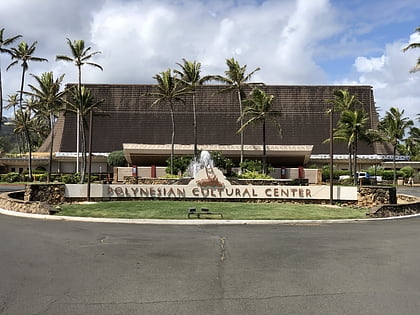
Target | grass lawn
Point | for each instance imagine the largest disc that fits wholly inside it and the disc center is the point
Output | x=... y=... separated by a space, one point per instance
x=153 y=209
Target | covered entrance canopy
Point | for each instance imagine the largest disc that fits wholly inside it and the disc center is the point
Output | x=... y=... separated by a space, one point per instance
x=277 y=155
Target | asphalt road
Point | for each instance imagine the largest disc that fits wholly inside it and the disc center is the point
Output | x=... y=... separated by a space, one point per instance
x=53 y=267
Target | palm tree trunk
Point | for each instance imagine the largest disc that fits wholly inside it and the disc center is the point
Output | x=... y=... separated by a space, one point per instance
x=264 y=150
x=51 y=149
x=172 y=138
x=394 y=166
x=83 y=136
x=355 y=161
x=28 y=139
x=22 y=82
x=195 y=127
x=242 y=133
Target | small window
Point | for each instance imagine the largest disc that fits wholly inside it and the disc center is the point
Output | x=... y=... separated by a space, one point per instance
x=20 y=169
x=13 y=169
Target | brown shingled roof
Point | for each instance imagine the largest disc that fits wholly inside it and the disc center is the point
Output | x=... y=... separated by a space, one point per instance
x=131 y=119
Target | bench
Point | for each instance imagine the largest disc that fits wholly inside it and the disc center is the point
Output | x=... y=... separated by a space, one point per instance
x=204 y=211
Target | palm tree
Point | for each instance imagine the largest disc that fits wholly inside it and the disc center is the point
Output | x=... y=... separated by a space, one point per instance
x=169 y=91
x=257 y=110
x=23 y=125
x=49 y=101
x=190 y=77
x=411 y=46
x=352 y=127
x=82 y=104
x=341 y=102
x=80 y=55
x=237 y=79
x=24 y=53
x=3 y=43
x=393 y=126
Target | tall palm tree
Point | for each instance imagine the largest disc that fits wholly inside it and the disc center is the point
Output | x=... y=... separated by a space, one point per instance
x=352 y=127
x=393 y=126
x=23 y=125
x=341 y=102
x=190 y=76
x=257 y=110
x=24 y=53
x=80 y=56
x=169 y=91
x=82 y=103
x=237 y=79
x=3 y=43
x=411 y=46
x=49 y=101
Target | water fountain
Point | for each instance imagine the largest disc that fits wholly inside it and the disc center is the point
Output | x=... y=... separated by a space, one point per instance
x=203 y=161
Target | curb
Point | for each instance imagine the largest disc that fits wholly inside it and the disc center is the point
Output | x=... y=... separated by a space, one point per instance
x=195 y=221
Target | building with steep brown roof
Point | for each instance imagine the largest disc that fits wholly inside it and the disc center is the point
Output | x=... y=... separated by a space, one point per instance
x=127 y=117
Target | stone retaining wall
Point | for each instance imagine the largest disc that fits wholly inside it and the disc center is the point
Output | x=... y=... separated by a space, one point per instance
x=53 y=194
x=394 y=210
x=14 y=201
x=371 y=196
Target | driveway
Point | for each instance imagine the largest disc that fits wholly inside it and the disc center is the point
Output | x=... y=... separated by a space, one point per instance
x=54 y=267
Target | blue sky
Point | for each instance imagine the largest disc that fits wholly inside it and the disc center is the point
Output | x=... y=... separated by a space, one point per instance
x=293 y=41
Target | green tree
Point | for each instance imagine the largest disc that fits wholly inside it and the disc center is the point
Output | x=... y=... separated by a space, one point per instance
x=352 y=127
x=258 y=110
x=412 y=143
x=341 y=102
x=23 y=126
x=48 y=103
x=169 y=91
x=80 y=56
x=24 y=53
x=236 y=79
x=116 y=158
x=411 y=46
x=3 y=50
x=82 y=104
x=190 y=76
x=393 y=126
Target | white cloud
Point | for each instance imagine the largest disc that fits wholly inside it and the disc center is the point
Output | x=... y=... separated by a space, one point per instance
x=286 y=39
x=393 y=84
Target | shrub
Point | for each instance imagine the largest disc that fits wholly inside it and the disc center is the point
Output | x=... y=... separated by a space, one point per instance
x=71 y=178
x=116 y=158
x=12 y=177
x=407 y=171
x=221 y=161
x=254 y=175
x=181 y=164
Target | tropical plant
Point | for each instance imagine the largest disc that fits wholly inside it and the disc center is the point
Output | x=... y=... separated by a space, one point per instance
x=351 y=128
x=24 y=53
x=190 y=76
x=169 y=91
x=341 y=102
x=258 y=110
x=116 y=158
x=80 y=56
x=393 y=126
x=23 y=126
x=48 y=103
x=82 y=104
x=3 y=43
x=236 y=79
x=411 y=46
